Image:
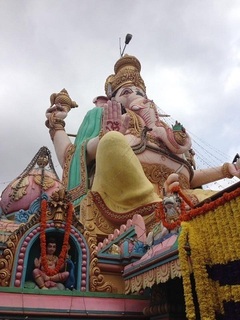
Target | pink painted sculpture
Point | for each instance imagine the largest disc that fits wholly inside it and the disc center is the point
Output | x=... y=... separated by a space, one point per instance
x=126 y=149
x=39 y=177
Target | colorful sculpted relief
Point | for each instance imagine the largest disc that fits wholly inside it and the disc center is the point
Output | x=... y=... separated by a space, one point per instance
x=29 y=185
x=125 y=158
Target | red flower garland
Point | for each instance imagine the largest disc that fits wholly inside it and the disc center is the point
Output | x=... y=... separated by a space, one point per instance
x=194 y=212
x=43 y=226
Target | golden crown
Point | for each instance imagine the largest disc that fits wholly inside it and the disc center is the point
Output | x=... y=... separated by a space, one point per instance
x=127 y=72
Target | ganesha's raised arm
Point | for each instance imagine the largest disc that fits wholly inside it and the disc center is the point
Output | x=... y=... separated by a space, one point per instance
x=56 y=125
x=112 y=120
x=61 y=103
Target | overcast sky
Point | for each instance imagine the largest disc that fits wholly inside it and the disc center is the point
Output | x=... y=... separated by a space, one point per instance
x=190 y=56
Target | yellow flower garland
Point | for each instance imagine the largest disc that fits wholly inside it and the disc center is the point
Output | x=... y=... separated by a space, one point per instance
x=185 y=270
x=213 y=237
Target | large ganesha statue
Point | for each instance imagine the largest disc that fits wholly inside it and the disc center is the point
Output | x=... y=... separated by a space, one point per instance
x=125 y=156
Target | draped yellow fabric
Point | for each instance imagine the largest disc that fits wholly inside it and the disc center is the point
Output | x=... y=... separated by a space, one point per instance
x=119 y=177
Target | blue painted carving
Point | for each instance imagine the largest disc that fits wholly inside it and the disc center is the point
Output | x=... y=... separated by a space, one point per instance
x=139 y=247
x=22 y=216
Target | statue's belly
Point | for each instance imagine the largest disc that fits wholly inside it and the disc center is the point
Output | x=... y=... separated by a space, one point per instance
x=156 y=157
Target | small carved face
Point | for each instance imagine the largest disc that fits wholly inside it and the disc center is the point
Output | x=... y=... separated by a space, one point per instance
x=51 y=248
x=126 y=95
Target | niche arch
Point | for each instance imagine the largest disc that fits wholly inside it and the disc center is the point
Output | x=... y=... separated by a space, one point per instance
x=29 y=248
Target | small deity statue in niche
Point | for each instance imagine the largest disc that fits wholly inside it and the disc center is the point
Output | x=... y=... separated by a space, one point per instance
x=39 y=274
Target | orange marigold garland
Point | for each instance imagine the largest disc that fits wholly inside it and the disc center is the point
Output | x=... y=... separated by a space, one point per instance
x=187 y=215
x=43 y=226
x=161 y=216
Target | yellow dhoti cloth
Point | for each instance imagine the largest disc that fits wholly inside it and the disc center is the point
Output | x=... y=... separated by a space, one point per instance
x=119 y=176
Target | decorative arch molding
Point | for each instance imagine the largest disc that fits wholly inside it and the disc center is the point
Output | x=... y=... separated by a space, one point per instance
x=23 y=257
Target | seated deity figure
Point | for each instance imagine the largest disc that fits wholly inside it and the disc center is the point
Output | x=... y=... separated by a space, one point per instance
x=40 y=276
x=124 y=152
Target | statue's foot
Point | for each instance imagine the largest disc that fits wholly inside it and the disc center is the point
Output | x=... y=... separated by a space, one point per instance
x=49 y=284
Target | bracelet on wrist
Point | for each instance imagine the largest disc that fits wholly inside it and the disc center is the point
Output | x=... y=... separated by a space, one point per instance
x=54 y=124
x=225 y=171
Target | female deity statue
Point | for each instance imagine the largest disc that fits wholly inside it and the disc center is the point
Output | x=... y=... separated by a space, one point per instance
x=124 y=155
